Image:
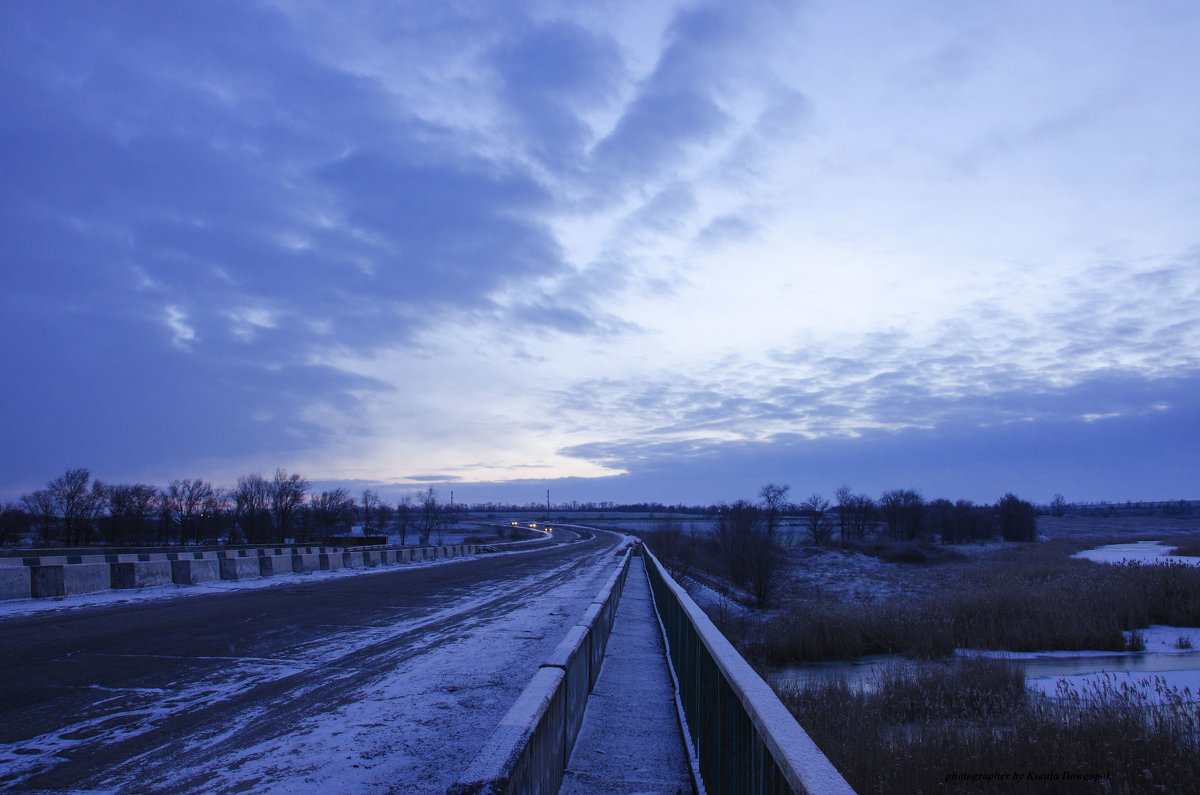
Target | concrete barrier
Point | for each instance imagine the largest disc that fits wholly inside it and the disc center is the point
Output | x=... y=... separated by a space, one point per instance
x=269 y=565
x=239 y=568
x=65 y=575
x=306 y=563
x=192 y=572
x=15 y=582
x=142 y=574
x=68 y=580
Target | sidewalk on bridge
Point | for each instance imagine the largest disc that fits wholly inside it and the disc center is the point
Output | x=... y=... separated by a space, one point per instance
x=631 y=740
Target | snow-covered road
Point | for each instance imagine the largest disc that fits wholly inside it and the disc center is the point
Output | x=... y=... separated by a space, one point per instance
x=380 y=683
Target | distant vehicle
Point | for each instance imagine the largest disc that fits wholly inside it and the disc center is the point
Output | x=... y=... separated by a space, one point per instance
x=514 y=524
x=533 y=525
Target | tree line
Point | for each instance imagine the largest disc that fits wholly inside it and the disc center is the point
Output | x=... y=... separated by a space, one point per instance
x=747 y=537
x=76 y=509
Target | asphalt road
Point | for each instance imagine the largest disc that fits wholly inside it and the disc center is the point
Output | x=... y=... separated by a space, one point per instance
x=163 y=696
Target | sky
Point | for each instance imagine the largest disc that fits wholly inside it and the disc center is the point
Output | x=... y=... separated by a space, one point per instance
x=622 y=251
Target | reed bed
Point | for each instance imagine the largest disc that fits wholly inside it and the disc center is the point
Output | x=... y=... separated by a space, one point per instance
x=972 y=726
x=1024 y=605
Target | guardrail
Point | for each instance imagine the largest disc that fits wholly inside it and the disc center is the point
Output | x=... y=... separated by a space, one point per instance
x=529 y=750
x=743 y=737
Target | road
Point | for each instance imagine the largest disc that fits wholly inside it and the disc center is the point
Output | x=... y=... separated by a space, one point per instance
x=383 y=682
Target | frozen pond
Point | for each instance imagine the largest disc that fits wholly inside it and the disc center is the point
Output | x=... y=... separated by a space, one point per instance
x=1177 y=667
x=1136 y=552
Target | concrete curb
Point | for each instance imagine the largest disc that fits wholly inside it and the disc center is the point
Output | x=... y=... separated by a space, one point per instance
x=529 y=749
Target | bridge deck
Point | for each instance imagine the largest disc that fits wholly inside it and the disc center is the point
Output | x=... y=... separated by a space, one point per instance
x=631 y=740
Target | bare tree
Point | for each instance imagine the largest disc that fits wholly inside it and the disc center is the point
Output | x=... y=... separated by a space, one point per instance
x=1058 y=505
x=183 y=504
x=330 y=508
x=129 y=506
x=250 y=500
x=815 y=511
x=428 y=514
x=14 y=523
x=754 y=560
x=404 y=517
x=286 y=493
x=40 y=505
x=774 y=500
x=904 y=512
x=673 y=549
x=215 y=512
x=844 y=496
x=1018 y=518
x=862 y=513
x=77 y=502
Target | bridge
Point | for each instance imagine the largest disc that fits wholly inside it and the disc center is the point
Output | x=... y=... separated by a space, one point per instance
x=574 y=665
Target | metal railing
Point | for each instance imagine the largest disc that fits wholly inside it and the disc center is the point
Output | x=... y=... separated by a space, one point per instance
x=744 y=739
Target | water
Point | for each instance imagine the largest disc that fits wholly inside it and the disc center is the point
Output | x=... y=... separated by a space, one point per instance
x=1042 y=671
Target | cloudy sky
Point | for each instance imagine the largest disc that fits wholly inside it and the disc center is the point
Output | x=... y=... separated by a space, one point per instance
x=621 y=250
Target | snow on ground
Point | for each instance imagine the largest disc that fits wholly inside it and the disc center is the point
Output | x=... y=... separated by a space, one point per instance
x=1137 y=552
x=1151 y=685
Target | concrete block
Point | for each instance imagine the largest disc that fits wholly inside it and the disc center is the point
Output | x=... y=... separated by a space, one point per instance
x=352 y=560
x=46 y=581
x=67 y=580
x=269 y=565
x=388 y=557
x=143 y=574
x=15 y=582
x=191 y=572
x=330 y=562
x=87 y=559
x=239 y=568
x=371 y=557
x=11 y=562
x=306 y=563
x=86 y=578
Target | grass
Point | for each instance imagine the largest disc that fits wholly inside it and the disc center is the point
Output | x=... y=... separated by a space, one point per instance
x=1189 y=548
x=1024 y=605
x=914 y=730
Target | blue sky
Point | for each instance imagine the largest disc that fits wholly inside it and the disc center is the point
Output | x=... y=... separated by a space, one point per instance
x=621 y=250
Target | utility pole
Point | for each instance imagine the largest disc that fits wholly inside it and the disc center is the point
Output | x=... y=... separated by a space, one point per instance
x=547 y=503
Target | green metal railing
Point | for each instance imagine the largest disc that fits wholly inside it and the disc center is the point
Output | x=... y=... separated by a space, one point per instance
x=743 y=737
